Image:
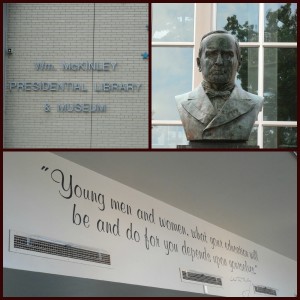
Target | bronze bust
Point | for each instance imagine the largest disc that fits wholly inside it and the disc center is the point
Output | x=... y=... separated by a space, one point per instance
x=218 y=109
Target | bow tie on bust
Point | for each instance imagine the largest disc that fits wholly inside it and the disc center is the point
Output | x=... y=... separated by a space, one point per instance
x=219 y=94
x=224 y=93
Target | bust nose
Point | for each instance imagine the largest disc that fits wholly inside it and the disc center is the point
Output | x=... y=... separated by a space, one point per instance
x=219 y=60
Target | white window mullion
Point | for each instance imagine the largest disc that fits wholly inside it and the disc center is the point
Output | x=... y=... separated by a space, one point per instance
x=249 y=44
x=166 y=122
x=194 y=49
x=264 y=123
x=214 y=16
x=203 y=25
x=172 y=44
x=279 y=45
x=260 y=140
x=280 y=123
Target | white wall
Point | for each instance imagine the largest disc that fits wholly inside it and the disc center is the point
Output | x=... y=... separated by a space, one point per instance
x=33 y=205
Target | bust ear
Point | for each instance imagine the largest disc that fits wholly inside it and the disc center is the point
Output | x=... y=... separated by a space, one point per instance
x=199 y=64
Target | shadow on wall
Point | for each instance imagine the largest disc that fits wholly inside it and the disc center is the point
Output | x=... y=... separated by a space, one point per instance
x=18 y=283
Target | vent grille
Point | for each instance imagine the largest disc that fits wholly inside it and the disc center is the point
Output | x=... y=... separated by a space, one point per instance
x=265 y=290
x=201 y=278
x=45 y=247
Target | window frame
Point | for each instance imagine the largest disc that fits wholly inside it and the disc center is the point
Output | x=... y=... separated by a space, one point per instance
x=207 y=13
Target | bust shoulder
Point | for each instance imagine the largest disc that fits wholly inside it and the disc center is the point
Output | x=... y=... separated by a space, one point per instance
x=237 y=93
x=255 y=98
x=181 y=98
x=194 y=94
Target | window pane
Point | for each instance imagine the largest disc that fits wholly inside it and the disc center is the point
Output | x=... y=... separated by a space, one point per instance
x=253 y=137
x=173 y=22
x=280 y=84
x=168 y=136
x=171 y=75
x=171 y=136
x=280 y=22
x=280 y=137
x=247 y=77
x=240 y=19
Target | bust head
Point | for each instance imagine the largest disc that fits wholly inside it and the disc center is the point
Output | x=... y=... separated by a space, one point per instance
x=219 y=58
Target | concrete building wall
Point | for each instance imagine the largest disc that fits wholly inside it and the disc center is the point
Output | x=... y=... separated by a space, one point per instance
x=76 y=33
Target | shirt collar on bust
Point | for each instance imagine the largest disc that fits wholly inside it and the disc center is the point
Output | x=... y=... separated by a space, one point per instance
x=223 y=93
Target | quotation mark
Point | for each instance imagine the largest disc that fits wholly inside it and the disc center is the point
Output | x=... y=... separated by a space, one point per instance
x=44 y=168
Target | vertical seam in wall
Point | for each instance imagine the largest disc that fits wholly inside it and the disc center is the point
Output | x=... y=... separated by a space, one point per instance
x=93 y=76
x=5 y=32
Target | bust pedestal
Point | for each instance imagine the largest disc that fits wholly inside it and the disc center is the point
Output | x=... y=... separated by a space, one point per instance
x=216 y=144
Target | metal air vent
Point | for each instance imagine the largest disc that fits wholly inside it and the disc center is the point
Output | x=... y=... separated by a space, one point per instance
x=264 y=290
x=192 y=276
x=40 y=246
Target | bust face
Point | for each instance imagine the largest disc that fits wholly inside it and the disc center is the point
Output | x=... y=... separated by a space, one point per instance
x=218 y=61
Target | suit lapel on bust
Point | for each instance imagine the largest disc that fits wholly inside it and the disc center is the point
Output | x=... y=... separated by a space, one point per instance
x=199 y=106
x=237 y=105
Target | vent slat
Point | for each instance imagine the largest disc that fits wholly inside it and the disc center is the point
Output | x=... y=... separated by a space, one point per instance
x=57 y=249
x=200 y=277
x=265 y=290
